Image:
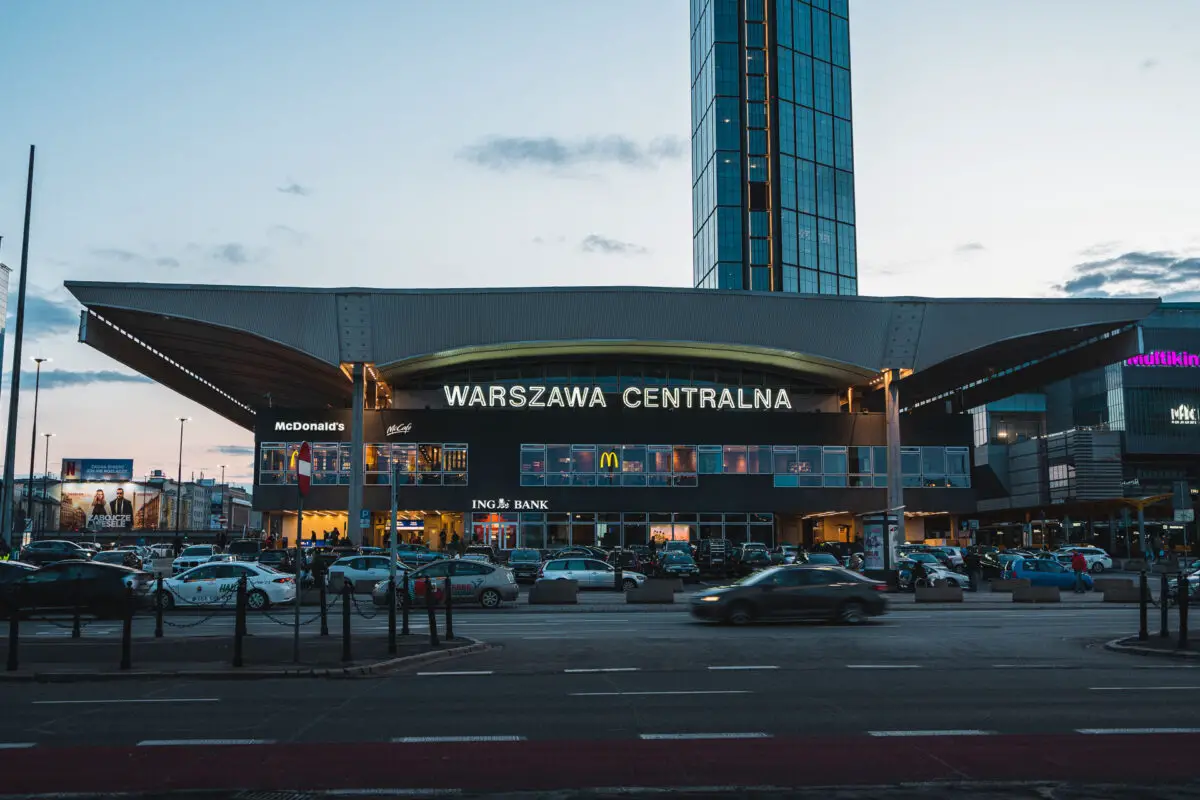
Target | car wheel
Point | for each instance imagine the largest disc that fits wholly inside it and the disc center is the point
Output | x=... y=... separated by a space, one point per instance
x=740 y=614
x=490 y=598
x=168 y=601
x=852 y=612
x=952 y=583
x=1097 y=567
x=257 y=600
x=628 y=584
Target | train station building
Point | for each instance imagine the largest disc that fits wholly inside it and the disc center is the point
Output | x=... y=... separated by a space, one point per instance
x=547 y=416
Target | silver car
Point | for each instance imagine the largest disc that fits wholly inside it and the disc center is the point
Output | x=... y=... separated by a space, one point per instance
x=488 y=585
x=590 y=572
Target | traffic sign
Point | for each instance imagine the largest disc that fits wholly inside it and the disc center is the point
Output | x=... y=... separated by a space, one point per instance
x=364 y=518
x=304 y=468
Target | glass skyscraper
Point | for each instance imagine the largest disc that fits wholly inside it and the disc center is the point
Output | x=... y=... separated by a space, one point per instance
x=772 y=146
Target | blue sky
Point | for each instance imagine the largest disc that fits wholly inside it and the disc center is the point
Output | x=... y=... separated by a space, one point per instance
x=1020 y=148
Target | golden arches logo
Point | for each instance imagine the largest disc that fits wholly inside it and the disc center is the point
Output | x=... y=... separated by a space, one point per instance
x=609 y=460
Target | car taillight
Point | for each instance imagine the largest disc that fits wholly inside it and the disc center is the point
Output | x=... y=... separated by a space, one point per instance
x=283 y=580
x=879 y=587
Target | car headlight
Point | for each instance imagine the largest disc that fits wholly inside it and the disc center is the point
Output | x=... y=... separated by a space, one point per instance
x=709 y=598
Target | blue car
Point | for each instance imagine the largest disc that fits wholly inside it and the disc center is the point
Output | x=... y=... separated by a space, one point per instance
x=1046 y=572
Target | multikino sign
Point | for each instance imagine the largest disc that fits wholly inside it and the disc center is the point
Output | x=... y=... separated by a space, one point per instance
x=661 y=397
x=1164 y=358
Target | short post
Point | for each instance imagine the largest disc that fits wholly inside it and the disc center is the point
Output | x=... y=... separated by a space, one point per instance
x=433 y=633
x=346 y=601
x=450 y=605
x=1164 y=602
x=320 y=579
x=405 y=602
x=1184 y=600
x=158 y=609
x=127 y=630
x=1143 y=597
x=618 y=576
x=75 y=629
x=239 y=620
x=14 y=631
x=391 y=616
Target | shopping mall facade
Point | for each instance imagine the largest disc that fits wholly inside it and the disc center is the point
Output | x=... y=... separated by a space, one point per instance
x=547 y=416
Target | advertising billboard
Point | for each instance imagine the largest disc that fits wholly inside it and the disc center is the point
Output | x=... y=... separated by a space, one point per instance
x=97 y=469
x=109 y=506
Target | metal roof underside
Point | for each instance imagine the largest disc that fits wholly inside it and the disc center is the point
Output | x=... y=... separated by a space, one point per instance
x=287 y=344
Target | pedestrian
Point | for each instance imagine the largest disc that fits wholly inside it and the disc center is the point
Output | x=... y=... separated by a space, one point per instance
x=1079 y=565
x=974 y=565
x=176 y=545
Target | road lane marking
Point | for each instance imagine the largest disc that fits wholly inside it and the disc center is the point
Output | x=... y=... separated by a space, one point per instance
x=1143 y=688
x=392 y=792
x=454 y=739
x=675 y=736
x=965 y=732
x=748 y=666
x=883 y=666
x=1028 y=666
x=149 y=700
x=192 y=742
x=1119 y=731
x=601 y=669
x=17 y=745
x=461 y=672
x=643 y=694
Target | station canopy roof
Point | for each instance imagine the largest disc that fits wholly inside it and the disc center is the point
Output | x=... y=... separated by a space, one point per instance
x=235 y=349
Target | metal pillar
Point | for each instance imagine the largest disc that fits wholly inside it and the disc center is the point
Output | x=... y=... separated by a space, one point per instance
x=895 y=479
x=1127 y=530
x=1142 y=529
x=356 y=458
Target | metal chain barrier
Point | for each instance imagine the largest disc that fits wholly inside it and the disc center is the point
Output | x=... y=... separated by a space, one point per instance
x=183 y=625
x=292 y=622
x=359 y=611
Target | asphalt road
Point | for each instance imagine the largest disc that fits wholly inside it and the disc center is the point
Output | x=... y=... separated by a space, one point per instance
x=569 y=700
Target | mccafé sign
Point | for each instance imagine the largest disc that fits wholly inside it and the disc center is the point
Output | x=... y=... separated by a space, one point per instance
x=662 y=397
x=1164 y=358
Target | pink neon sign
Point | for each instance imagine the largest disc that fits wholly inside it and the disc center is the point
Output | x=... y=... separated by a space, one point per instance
x=1164 y=358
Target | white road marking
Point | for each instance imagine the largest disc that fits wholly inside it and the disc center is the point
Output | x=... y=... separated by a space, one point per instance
x=883 y=666
x=461 y=672
x=454 y=739
x=1107 y=731
x=191 y=742
x=1143 y=688
x=392 y=792
x=150 y=700
x=643 y=694
x=966 y=732
x=748 y=666
x=601 y=669
x=674 y=736
x=17 y=745
x=1027 y=666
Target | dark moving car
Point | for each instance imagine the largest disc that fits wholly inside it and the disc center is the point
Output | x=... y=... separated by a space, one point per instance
x=100 y=588
x=794 y=593
x=245 y=549
x=525 y=563
x=49 y=551
x=483 y=550
x=277 y=559
x=126 y=558
x=14 y=570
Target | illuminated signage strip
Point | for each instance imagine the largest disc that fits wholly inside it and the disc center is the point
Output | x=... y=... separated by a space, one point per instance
x=657 y=397
x=1164 y=358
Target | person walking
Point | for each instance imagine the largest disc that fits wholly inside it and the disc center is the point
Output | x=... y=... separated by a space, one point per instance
x=176 y=545
x=974 y=565
x=1079 y=566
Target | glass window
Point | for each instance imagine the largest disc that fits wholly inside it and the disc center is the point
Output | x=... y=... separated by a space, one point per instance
x=820 y=35
x=880 y=460
x=859 y=461
x=272 y=457
x=608 y=465
x=710 y=459
x=583 y=458
x=558 y=465
x=823 y=132
x=734 y=459
x=808 y=460
x=325 y=464
x=910 y=466
x=533 y=458
x=758 y=460
x=806 y=238
x=658 y=465
x=429 y=458
x=633 y=458
x=834 y=462
x=933 y=461
x=683 y=459
x=802 y=78
x=822 y=87
x=377 y=457
x=455 y=456
x=801 y=27
x=957 y=462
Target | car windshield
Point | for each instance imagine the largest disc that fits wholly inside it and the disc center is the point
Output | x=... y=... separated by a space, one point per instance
x=525 y=555
x=244 y=546
x=928 y=558
x=678 y=558
x=823 y=558
x=758 y=577
x=197 y=550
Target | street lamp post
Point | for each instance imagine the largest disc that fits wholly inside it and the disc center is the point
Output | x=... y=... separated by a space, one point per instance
x=179 y=476
x=45 y=483
x=37 y=384
x=224 y=500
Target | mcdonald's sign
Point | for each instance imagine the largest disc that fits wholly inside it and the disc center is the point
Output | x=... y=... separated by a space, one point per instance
x=609 y=460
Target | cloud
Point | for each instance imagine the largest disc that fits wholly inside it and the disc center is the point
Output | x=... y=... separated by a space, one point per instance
x=287 y=234
x=45 y=316
x=502 y=153
x=970 y=247
x=549 y=239
x=1136 y=274
x=231 y=253
x=1149 y=63
x=130 y=257
x=65 y=378
x=1099 y=249
x=294 y=188
x=595 y=243
x=233 y=450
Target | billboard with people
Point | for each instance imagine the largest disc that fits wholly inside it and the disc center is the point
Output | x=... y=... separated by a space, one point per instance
x=109 y=506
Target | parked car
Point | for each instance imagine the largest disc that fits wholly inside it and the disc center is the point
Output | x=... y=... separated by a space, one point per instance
x=818 y=559
x=632 y=559
x=590 y=572
x=525 y=563
x=100 y=589
x=750 y=559
x=784 y=554
x=217 y=557
x=1097 y=560
x=952 y=557
x=128 y=558
x=360 y=568
x=487 y=551
x=48 y=551
x=193 y=556
x=216 y=584
x=1045 y=572
x=489 y=585
x=678 y=565
x=245 y=549
x=715 y=556
x=280 y=560
x=794 y=592
x=417 y=554
x=934 y=569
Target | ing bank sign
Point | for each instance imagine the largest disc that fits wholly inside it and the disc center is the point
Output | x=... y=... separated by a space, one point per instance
x=535 y=396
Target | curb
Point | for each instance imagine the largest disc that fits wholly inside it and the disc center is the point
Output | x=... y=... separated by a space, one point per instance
x=376 y=668
x=1119 y=646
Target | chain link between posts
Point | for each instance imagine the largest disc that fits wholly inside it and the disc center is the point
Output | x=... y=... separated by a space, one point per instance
x=232 y=596
x=292 y=622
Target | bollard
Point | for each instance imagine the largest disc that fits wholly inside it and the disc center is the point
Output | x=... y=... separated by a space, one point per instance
x=450 y=606
x=405 y=601
x=433 y=633
x=346 y=601
x=14 y=631
x=239 y=620
x=1164 y=602
x=1143 y=596
x=158 y=603
x=324 y=610
x=391 y=616
x=75 y=629
x=619 y=576
x=127 y=630
x=1184 y=600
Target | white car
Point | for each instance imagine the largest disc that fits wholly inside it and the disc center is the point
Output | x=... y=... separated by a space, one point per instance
x=1097 y=559
x=590 y=572
x=193 y=556
x=360 y=568
x=216 y=584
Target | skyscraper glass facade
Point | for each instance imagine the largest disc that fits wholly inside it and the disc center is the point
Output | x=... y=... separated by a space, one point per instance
x=772 y=146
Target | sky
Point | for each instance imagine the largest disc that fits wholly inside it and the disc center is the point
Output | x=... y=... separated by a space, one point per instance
x=1016 y=148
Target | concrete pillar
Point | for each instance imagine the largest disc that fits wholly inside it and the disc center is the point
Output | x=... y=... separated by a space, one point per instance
x=1112 y=535
x=1126 y=528
x=895 y=478
x=354 y=532
x=1142 y=529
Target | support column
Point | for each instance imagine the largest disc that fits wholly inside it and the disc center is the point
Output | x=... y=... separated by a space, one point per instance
x=895 y=478
x=1142 y=528
x=354 y=531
